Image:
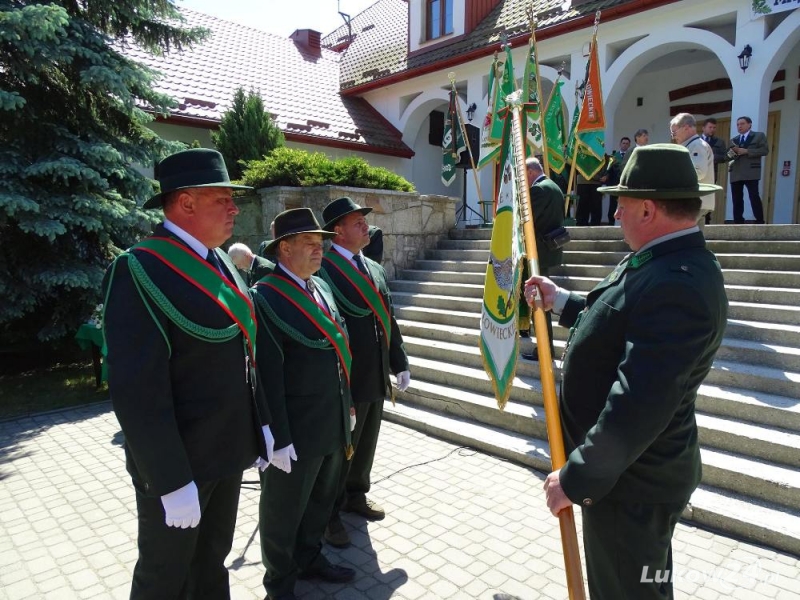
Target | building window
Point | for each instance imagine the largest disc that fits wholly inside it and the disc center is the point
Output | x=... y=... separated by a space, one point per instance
x=439 y=18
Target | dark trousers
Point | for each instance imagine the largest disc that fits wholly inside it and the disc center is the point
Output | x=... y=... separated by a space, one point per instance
x=293 y=513
x=354 y=480
x=187 y=563
x=612 y=208
x=628 y=549
x=737 y=197
x=590 y=205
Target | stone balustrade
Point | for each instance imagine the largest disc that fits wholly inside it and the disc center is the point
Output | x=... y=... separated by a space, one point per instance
x=411 y=223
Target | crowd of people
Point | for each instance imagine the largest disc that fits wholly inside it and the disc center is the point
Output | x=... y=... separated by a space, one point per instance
x=741 y=155
x=286 y=369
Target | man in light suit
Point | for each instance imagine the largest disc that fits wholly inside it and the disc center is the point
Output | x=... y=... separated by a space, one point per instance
x=683 y=129
x=745 y=168
x=641 y=343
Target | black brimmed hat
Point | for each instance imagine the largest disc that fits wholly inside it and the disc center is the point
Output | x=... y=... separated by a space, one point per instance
x=198 y=167
x=293 y=222
x=341 y=207
x=659 y=172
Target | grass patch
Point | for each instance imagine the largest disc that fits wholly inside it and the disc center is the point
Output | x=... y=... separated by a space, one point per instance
x=49 y=388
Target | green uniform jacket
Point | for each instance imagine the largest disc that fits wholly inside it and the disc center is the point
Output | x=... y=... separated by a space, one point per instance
x=547 y=203
x=642 y=343
x=261 y=267
x=186 y=410
x=308 y=395
x=372 y=362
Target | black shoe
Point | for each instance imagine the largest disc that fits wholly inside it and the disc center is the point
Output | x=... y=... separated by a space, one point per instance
x=330 y=573
x=361 y=505
x=534 y=355
x=336 y=534
x=524 y=333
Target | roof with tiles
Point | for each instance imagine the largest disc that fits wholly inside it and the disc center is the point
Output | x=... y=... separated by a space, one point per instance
x=299 y=85
x=379 y=45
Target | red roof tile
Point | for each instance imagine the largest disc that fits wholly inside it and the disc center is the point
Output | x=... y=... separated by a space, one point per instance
x=379 y=52
x=300 y=86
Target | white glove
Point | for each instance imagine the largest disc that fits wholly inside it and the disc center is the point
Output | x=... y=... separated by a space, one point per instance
x=352 y=419
x=182 y=507
x=261 y=464
x=403 y=380
x=269 y=441
x=283 y=457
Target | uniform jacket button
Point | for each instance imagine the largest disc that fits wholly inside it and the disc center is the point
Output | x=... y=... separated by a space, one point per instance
x=587 y=502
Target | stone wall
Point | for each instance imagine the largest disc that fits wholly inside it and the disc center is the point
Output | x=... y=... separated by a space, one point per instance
x=411 y=223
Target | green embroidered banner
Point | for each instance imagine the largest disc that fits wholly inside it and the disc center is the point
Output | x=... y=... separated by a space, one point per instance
x=197 y=271
x=365 y=288
x=314 y=313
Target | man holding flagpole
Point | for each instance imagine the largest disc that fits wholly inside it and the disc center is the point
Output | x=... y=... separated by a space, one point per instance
x=641 y=344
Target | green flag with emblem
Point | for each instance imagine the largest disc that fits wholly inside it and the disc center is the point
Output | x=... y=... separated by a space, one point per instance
x=452 y=140
x=554 y=129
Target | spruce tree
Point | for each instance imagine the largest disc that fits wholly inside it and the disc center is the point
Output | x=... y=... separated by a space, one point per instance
x=72 y=132
x=246 y=132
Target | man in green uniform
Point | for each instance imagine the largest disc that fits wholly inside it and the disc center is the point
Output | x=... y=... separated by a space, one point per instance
x=641 y=344
x=362 y=293
x=305 y=357
x=547 y=204
x=180 y=331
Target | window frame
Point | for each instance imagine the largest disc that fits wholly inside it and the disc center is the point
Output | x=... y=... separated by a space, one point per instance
x=445 y=26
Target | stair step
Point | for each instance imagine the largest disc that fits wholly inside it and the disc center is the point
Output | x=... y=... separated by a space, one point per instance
x=521 y=449
x=754 y=377
x=749 y=311
x=761 y=521
x=737 y=473
x=516 y=417
x=789 y=279
x=757 y=521
x=769 y=443
x=783 y=334
x=465 y=266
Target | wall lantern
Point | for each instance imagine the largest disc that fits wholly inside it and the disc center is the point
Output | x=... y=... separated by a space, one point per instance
x=744 y=57
x=471 y=111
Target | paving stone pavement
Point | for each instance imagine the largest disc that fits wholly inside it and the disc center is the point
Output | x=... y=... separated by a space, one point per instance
x=459 y=524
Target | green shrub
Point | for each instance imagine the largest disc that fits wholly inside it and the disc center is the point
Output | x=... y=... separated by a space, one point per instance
x=298 y=168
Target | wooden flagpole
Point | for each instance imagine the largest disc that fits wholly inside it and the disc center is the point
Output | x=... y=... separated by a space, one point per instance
x=575 y=150
x=452 y=77
x=566 y=518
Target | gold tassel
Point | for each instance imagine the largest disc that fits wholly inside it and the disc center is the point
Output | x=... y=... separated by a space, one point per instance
x=348 y=452
x=393 y=402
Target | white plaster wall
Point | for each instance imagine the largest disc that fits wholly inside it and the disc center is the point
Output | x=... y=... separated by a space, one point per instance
x=182 y=133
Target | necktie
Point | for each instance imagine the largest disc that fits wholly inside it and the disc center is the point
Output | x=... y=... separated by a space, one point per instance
x=361 y=266
x=311 y=289
x=212 y=259
x=741 y=140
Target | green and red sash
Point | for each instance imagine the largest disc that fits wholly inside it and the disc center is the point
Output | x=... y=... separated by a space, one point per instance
x=185 y=262
x=365 y=288
x=320 y=318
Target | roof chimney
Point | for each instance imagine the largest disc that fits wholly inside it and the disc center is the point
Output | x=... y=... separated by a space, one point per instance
x=308 y=38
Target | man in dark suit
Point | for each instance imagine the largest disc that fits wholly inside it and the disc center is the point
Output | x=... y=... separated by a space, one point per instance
x=641 y=344
x=305 y=357
x=253 y=266
x=717 y=144
x=547 y=204
x=182 y=381
x=618 y=159
x=745 y=169
x=362 y=292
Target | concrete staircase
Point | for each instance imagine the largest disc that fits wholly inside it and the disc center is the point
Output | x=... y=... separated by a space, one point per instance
x=748 y=407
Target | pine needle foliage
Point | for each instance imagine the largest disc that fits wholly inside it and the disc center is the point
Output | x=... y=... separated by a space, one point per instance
x=246 y=132
x=73 y=115
x=298 y=168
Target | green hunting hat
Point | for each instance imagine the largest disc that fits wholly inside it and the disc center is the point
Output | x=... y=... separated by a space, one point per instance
x=659 y=172
x=293 y=222
x=341 y=207
x=198 y=167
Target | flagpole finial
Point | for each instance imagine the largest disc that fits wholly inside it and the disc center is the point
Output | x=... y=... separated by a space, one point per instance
x=597 y=19
x=514 y=99
x=452 y=77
